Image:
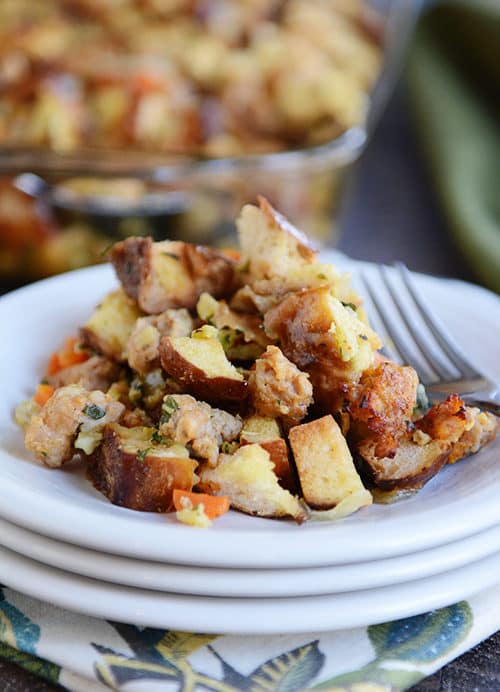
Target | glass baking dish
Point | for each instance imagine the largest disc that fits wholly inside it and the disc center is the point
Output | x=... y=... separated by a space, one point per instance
x=60 y=211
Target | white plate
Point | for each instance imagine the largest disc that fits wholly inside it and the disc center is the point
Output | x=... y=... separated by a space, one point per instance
x=245 y=616
x=460 y=501
x=248 y=583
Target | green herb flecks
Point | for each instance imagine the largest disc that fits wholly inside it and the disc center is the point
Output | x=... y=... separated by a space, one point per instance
x=156 y=437
x=143 y=453
x=168 y=408
x=93 y=411
x=104 y=252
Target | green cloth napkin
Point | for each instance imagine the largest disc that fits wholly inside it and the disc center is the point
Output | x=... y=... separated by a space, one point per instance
x=453 y=76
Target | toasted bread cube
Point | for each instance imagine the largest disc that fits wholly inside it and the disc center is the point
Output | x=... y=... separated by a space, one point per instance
x=324 y=338
x=270 y=245
x=133 y=471
x=111 y=324
x=248 y=479
x=171 y=274
x=484 y=429
x=414 y=463
x=200 y=365
x=324 y=463
x=143 y=343
x=266 y=432
x=240 y=333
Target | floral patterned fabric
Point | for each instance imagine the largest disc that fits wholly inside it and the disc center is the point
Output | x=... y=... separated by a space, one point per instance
x=83 y=653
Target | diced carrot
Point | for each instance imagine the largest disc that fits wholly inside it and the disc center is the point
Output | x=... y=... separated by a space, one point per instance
x=43 y=393
x=214 y=506
x=54 y=365
x=232 y=253
x=70 y=354
x=146 y=82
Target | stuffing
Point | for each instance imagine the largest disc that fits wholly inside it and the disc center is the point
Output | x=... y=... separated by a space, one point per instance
x=412 y=465
x=323 y=338
x=98 y=372
x=381 y=406
x=170 y=274
x=270 y=245
x=109 y=328
x=144 y=340
x=132 y=469
x=326 y=471
x=277 y=388
x=483 y=430
x=69 y=412
x=255 y=379
x=199 y=364
x=199 y=426
x=247 y=477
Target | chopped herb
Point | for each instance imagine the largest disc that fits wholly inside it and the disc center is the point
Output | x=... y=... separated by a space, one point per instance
x=349 y=305
x=322 y=276
x=171 y=255
x=43 y=453
x=156 y=437
x=363 y=336
x=168 y=408
x=238 y=332
x=104 y=252
x=143 y=453
x=93 y=411
x=209 y=318
x=44 y=381
x=244 y=267
x=422 y=404
x=278 y=401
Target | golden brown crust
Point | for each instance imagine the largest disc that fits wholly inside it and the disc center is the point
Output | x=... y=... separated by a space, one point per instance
x=130 y=259
x=171 y=274
x=195 y=381
x=306 y=324
x=248 y=478
x=145 y=484
x=266 y=432
x=381 y=406
x=410 y=468
x=326 y=471
x=109 y=327
x=305 y=246
x=446 y=420
x=483 y=431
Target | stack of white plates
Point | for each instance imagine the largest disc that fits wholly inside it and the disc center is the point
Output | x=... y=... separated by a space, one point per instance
x=65 y=543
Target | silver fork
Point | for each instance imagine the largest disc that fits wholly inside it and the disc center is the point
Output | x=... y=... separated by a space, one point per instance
x=416 y=338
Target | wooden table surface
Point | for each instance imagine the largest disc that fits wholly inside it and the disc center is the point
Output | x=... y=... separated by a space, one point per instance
x=389 y=214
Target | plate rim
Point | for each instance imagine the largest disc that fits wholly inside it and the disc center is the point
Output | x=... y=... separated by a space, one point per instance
x=273 y=553
x=245 y=616
x=219 y=582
